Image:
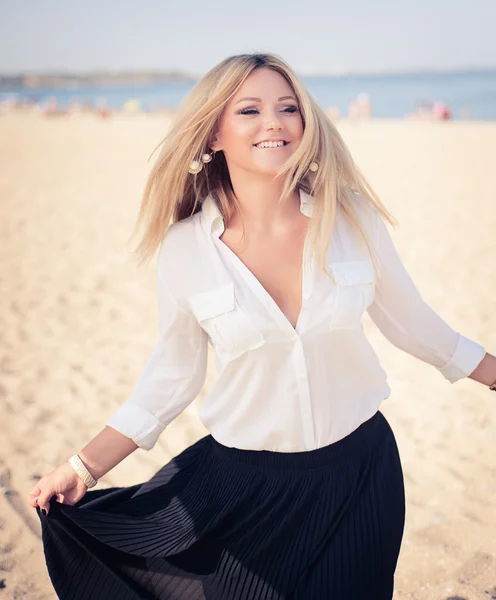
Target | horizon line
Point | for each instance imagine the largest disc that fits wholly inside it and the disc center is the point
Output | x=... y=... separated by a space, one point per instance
x=186 y=74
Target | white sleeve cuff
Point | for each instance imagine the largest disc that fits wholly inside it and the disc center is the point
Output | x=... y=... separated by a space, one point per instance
x=136 y=423
x=467 y=356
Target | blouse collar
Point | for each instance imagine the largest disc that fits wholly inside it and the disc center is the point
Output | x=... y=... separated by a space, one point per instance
x=214 y=223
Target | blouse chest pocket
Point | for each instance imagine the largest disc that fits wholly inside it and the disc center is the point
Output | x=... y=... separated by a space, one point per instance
x=355 y=286
x=230 y=329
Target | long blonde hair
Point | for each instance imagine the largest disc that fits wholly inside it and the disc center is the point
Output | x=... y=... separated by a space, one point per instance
x=172 y=193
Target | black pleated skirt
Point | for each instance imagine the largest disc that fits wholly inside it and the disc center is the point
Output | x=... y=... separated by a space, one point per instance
x=219 y=523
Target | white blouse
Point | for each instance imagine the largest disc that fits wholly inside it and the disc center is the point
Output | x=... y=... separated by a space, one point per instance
x=281 y=388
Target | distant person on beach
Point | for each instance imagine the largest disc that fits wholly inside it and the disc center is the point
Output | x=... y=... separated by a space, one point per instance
x=360 y=107
x=102 y=108
x=270 y=246
x=423 y=110
x=50 y=108
x=428 y=111
x=441 y=111
x=333 y=112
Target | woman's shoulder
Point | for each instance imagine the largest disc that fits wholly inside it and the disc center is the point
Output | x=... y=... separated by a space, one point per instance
x=180 y=249
x=366 y=208
x=359 y=209
x=182 y=235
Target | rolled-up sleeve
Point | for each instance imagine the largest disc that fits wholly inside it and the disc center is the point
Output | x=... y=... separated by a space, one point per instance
x=173 y=375
x=408 y=322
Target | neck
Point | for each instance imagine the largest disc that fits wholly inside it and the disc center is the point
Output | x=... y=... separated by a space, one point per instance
x=260 y=207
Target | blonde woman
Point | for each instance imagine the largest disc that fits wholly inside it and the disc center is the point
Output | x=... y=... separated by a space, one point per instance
x=271 y=245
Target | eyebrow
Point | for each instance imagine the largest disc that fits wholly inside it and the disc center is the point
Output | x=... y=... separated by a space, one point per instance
x=260 y=100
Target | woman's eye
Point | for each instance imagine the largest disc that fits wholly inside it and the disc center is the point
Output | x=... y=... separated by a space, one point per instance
x=253 y=111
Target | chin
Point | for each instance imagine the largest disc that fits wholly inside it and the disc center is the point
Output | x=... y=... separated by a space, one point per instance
x=268 y=170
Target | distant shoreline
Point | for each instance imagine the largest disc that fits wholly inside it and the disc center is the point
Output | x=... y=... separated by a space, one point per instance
x=30 y=81
x=73 y=81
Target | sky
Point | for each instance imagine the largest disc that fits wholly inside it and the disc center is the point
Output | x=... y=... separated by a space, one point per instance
x=313 y=36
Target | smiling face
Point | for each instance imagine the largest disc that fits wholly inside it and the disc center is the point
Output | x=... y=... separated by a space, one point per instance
x=264 y=109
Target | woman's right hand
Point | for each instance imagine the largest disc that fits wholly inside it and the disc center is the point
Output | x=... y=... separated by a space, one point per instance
x=63 y=482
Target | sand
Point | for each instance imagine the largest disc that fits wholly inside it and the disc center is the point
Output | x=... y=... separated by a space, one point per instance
x=78 y=320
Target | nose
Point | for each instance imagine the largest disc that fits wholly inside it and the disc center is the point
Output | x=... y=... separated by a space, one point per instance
x=274 y=122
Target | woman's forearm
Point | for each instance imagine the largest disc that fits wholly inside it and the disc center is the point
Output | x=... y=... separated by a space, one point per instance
x=486 y=370
x=106 y=450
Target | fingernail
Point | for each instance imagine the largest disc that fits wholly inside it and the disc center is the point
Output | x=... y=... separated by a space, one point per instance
x=43 y=512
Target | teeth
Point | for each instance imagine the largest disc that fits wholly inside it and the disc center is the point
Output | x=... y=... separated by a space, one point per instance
x=270 y=144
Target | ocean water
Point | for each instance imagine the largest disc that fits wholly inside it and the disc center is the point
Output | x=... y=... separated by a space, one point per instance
x=470 y=94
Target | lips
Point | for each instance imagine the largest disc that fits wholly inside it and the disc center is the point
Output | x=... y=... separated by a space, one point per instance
x=271 y=144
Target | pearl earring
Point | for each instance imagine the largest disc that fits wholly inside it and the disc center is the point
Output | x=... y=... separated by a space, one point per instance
x=196 y=166
x=314 y=166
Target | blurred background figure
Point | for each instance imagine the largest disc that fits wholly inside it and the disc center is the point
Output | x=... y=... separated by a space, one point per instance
x=50 y=108
x=360 y=107
x=102 y=108
x=441 y=111
x=334 y=113
x=131 y=106
x=431 y=111
x=422 y=111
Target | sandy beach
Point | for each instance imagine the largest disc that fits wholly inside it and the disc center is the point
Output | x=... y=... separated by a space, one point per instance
x=79 y=319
